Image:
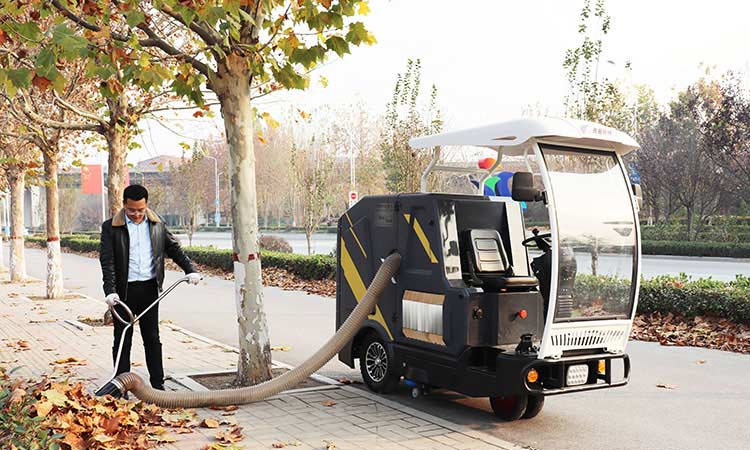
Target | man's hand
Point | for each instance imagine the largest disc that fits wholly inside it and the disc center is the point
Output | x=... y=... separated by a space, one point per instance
x=111 y=299
x=194 y=278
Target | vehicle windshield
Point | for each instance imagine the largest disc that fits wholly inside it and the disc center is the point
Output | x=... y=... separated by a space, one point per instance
x=597 y=234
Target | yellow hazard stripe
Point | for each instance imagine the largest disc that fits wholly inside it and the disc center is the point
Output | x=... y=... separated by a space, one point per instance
x=351 y=274
x=351 y=228
x=422 y=238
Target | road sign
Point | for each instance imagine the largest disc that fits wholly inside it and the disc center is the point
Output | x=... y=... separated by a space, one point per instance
x=353 y=197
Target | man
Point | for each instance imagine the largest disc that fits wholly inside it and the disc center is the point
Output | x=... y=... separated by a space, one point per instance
x=131 y=252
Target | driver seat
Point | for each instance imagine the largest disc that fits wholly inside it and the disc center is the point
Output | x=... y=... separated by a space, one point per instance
x=488 y=263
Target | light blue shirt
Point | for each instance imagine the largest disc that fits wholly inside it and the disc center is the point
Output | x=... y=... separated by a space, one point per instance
x=141 y=261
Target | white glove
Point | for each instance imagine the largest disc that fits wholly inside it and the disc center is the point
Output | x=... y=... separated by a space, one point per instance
x=194 y=278
x=111 y=299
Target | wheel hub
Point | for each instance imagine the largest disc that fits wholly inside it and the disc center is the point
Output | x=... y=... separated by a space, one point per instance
x=376 y=362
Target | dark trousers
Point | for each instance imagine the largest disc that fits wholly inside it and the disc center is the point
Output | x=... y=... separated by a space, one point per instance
x=140 y=295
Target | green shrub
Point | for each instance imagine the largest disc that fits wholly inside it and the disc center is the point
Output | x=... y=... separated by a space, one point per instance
x=20 y=426
x=680 y=295
x=695 y=248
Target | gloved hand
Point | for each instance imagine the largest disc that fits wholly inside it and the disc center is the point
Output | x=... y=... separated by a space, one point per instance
x=194 y=278
x=111 y=299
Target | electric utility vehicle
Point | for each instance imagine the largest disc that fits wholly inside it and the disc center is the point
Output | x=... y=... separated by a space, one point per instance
x=471 y=310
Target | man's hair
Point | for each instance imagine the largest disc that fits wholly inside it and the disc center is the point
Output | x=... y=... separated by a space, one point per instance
x=134 y=192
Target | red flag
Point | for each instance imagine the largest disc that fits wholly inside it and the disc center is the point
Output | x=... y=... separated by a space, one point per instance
x=91 y=179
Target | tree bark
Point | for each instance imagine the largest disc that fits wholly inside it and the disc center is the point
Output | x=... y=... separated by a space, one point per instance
x=2 y=236
x=17 y=260
x=54 y=261
x=232 y=88
x=117 y=144
x=117 y=136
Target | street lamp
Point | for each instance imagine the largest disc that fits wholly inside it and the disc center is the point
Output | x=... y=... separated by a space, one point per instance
x=217 y=214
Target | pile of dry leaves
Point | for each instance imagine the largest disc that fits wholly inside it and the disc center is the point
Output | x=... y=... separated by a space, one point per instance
x=708 y=332
x=48 y=414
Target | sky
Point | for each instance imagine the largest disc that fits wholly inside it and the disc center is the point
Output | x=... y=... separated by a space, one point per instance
x=490 y=60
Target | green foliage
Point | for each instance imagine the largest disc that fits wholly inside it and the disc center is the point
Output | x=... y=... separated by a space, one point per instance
x=670 y=294
x=704 y=297
x=278 y=42
x=695 y=248
x=717 y=232
x=402 y=164
x=20 y=427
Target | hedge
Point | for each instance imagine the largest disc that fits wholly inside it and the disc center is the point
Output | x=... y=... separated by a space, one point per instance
x=665 y=294
x=696 y=248
x=315 y=267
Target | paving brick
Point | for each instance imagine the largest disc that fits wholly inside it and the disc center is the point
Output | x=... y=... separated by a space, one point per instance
x=357 y=421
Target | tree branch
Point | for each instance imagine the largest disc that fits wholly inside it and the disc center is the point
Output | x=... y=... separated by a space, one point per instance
x=209 y=36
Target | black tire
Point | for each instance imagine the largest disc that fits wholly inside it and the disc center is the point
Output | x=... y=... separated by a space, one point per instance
x=534 y=406
x=376 y=365
x=509 y=407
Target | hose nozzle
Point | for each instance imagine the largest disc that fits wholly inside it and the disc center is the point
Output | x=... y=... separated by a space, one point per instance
x=113 y=388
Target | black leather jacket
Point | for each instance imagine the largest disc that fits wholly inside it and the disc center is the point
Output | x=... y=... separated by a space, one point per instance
x=114 y=252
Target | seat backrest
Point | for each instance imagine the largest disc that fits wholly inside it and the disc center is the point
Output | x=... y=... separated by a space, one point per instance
x=487 y=251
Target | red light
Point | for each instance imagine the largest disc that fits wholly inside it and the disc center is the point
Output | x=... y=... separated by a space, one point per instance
x=486 y=163
x=522 y=314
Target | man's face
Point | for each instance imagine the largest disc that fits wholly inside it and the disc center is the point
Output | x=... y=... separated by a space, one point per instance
x=135 y=209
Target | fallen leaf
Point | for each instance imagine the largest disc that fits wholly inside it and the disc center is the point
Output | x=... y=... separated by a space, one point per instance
x=330 y=445
x=285 y=348
x=230 y=436
x=70 y=360
x=55 y=397
x=161 y=438
x=701 y=361
x=345 y=380
x=210 y=423
x=286 y=444
x=17 y=395
x=43 y=408
x=666 y=386
x=328 y=403
x=224 y=408
x=136 y=364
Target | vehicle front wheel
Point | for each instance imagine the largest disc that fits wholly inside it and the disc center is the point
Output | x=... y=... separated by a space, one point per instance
x=534 y=406
x=376 y=365
x=509 y=407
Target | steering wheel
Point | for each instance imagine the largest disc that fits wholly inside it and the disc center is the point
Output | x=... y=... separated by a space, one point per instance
x=541 y=241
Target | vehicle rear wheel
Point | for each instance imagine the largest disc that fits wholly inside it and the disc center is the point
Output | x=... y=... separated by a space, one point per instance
x=376 y=365
x=509 y=407
x=534 y=406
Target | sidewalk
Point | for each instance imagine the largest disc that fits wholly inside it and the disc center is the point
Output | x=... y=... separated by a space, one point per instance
x=357 y=420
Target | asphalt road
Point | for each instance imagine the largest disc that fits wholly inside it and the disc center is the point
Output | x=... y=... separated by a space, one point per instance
x=723 y=269
x=708 y=408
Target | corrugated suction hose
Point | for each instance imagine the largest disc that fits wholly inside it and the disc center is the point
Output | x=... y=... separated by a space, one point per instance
x=134 y=383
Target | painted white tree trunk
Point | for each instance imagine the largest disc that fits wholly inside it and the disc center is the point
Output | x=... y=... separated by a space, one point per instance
x=17 y=260
x=54 y=260
x=3 y=268
x=232 y=87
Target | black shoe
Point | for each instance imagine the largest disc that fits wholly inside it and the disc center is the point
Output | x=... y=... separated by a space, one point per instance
x=158 y=387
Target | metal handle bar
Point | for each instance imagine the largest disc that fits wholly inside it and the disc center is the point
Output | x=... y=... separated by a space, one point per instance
x=135 y=319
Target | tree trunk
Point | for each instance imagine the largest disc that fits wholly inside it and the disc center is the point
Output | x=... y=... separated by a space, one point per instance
x=17 y=260
x=689 y=223
x=117 y=144
x=54 y=261
x=2 y=235
x=308 y=236
x=232 y=88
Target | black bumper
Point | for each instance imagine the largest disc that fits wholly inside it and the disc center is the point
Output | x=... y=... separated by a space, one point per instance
x=553 y=374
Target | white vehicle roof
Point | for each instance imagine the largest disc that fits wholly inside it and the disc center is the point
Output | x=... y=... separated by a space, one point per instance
x=509 y=137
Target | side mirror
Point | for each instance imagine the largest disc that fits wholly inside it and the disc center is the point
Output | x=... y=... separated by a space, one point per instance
x=523 y=188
